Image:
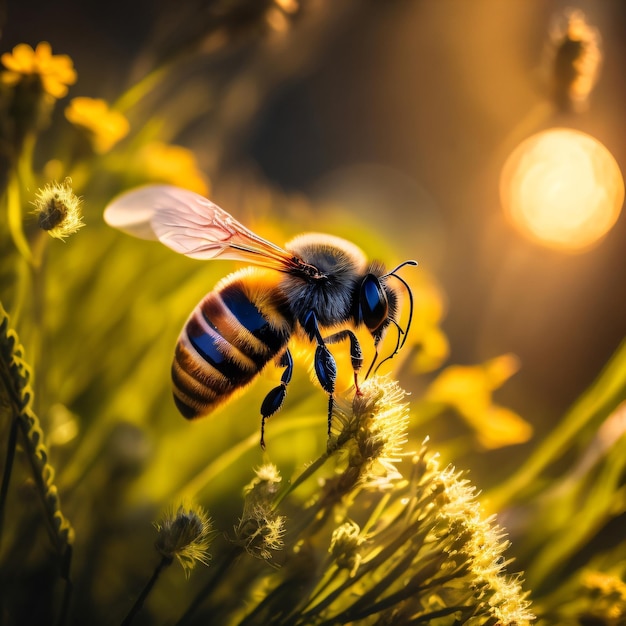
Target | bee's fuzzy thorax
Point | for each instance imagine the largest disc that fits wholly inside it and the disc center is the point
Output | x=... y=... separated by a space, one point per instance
x=343 y=265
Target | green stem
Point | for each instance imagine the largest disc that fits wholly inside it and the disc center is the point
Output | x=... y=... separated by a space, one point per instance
x=141 y=598
x=308 y=472
x=313 y=467
x=14 y=376
x=14 y=218
x=225 y=564
x=69 y=587
x=140 y=90
x=234 y=453
x=8 y=467
x=595 y=405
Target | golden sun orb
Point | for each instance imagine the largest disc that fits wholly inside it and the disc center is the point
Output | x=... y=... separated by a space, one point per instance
x=562 y=188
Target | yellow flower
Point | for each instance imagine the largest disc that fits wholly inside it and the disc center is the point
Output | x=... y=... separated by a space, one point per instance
x=469 y=391
x=166 y=163
x=104 y=126
x=56 y=71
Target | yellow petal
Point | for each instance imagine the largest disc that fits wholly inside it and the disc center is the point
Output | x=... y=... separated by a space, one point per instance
x=469 y=391
x=500 y=369
x=462 y=387
x=62 y=65
x=501 y=427
x=105 y=126
x=52 y=86
x=22 y=59
x=169 y=163
x=432 y=350
x=429 y=305
x=43 y=52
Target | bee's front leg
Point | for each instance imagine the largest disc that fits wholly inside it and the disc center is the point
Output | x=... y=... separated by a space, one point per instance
x=325 y=366
x=356 y=354
x=275 y=398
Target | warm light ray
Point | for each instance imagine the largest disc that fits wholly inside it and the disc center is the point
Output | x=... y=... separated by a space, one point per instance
x=562 y=188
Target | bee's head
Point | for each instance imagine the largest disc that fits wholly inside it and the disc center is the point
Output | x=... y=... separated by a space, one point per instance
x=378 y=304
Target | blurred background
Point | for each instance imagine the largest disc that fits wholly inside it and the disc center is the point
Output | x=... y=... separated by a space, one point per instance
x=398 y=124
x=403 y=113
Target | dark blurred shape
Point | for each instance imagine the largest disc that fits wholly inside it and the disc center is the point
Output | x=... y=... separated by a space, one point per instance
x=577 y=57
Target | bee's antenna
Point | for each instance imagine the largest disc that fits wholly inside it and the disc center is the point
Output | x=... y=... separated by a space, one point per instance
x=393 y=271
x=401 y=340
x=369 y=370
x=408 y=289
x=396 y=349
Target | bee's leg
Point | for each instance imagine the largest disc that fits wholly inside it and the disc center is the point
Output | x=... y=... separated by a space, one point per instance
x=356 y=354
x=325 y=366
x=275 y=398
x=326 y=372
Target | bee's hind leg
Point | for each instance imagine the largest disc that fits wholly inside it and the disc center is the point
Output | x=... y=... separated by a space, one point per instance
x=275 y=398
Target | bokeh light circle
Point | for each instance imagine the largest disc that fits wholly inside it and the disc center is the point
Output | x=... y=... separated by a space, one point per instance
x=562 y=188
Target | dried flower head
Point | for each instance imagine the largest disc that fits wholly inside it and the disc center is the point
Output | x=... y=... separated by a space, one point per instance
x=104 y=126
x=58 y=209
x=185 y=534
x=344 y=546
x=55 y=71
x=260 y=529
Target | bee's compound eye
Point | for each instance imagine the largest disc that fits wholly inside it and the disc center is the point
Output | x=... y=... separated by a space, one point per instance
x=373 y=302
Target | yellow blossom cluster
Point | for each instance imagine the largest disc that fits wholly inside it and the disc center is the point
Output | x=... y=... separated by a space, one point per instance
x=56 y=71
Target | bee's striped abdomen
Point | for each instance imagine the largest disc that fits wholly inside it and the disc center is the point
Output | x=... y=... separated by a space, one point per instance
x=225 y=343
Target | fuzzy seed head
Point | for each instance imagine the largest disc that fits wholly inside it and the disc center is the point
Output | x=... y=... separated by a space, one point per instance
x=185 y=534
x=58 y=209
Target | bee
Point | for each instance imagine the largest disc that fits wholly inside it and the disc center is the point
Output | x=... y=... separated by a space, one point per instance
x=313 y=288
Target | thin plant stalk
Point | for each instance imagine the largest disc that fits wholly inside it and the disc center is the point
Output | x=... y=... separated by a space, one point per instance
x=234 y=453
x=225 y=563
x=6 y=475
x=145 y=592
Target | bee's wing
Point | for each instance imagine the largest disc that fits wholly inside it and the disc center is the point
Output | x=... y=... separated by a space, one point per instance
x=194 y=226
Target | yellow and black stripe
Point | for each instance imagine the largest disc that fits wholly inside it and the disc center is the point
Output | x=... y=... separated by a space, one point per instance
x=228 y=339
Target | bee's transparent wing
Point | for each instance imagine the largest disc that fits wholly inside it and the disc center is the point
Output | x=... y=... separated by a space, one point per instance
x=192 y=225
